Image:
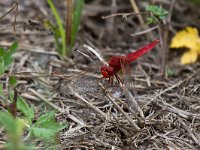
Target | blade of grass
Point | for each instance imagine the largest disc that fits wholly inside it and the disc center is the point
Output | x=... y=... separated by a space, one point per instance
x=63 y=51
x=78 y=6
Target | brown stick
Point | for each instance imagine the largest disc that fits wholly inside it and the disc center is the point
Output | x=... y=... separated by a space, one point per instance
x=164 y=46
x=123 y=14
x=69 y=21
x=15 y=18
x=140 y=18
x=15 y=5
x=13 y=105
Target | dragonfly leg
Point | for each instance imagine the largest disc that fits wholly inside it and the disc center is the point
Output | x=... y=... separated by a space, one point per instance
x=109 y=80
x=118 y=79
x=112 y=78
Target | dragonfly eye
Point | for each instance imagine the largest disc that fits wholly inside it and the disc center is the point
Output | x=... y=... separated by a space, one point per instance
x=105 y=73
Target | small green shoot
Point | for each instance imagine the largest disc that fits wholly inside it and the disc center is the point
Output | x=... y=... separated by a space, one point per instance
x=45 y=124
x=6 y=57
x=61 y=31
x=78 y=6
x=25 y=109
x=14 y=128
x=157 y=14
x=169 y=72
x=12 y=81
x=64 y=47
x=45 y=127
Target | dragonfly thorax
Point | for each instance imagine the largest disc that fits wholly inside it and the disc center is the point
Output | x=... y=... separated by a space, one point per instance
x=107 y=71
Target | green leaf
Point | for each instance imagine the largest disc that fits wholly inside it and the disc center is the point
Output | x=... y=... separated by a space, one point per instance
x=151 y=20
x=46 y=126
x=7 y=120
x=2 y=52
x=12 y=146
x=47 y=121
x=13 y=126
x=43 y=119
x=13 y=47
x=170 y=72
x=3 y=69
x=45 y=133
x=12 y=81
x=158 y=13
x=8 y=56
x=25 y=109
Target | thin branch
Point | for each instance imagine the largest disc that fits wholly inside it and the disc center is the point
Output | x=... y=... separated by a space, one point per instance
x=164 y=43
x=124 y=15
x=4 y=15
x=112 y=99
x=45 y=100
x=135 y=8
x=196 y=140
x=68 y=27
x=88 y=104
x=75 y=119
x=15 y=18
x=135 y=126
x=140 y=18
x=144 y=31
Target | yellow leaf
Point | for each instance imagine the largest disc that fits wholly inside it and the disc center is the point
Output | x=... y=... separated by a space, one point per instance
x=186 y=38
x=190 y=39
x=189 y=57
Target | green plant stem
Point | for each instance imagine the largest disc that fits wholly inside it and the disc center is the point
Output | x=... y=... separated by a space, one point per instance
x=63 y=51
x=77 y=10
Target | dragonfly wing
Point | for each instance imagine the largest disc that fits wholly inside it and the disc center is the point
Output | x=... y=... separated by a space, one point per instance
x=125 y=66
x=82 y=83
x=130 y=88
x=95 y=52
x=91 y=58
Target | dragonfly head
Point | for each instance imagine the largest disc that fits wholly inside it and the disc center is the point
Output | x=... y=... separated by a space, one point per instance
x=106 y=71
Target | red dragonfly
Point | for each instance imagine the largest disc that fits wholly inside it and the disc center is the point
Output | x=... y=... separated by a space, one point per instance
x=116 y=63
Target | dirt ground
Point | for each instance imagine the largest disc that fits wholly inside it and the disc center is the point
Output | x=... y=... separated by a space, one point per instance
x=153 y=111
